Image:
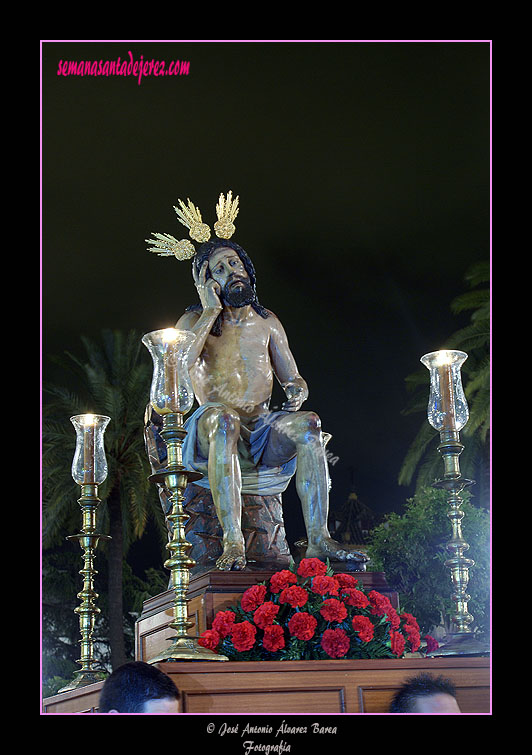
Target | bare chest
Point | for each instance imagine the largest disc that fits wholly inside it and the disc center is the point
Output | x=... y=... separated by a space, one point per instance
x=242 y=348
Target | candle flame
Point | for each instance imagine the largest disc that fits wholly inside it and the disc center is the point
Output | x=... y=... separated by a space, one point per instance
x=169 y=335
x=88 y=419
x=444 y=357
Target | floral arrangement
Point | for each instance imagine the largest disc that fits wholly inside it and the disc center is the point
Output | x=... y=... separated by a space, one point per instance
x=312 y=613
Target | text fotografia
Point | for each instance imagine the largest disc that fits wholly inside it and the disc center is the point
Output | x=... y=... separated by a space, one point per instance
x=126 y=67
x=284 y=729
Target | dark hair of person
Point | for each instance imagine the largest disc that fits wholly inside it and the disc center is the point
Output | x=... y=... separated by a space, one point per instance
x=423 y=685
x=131 y=685
x=204 y=252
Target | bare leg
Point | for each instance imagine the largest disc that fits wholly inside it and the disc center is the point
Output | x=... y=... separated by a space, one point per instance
x=300 y=432
x=218 y=432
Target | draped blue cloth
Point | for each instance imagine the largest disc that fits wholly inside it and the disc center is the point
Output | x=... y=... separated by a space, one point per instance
x=257 y=478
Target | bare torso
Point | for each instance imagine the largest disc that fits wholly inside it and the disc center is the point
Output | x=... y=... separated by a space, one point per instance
x=236 y=367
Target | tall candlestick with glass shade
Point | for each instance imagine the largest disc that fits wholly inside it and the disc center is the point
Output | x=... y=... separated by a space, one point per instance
x=448 y=413
x=89 y=469
x=172 y=396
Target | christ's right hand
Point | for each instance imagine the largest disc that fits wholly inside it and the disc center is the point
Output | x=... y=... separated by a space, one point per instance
x=208 y=290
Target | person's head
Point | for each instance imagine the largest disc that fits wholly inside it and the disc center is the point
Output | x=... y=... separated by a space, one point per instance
x=138 y=687
x=230 y=266
x=227 y=269
x=425 y=694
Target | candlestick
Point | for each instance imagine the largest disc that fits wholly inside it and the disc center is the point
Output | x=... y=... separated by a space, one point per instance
x=172 y=396
x=448 y=412
x=89 y=469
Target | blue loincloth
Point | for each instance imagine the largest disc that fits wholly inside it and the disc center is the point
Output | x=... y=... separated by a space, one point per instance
x=257 y=478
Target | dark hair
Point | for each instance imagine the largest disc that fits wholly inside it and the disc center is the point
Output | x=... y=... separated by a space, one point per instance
x=131 y=685
x=204 y=253
x=423 y=685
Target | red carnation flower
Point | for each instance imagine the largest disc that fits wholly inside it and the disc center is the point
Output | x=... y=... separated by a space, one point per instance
x=364 y=627
x=273 y=638
x=410 y=619
x=346 y=580
x=335 y=642
x=413 y=637
x=333 y=610
x=223 y=622
x=265 y=614
x=282 y=579
x=353 y=597
x=397 y=643
x=296 y=596
x=322 y=585
x=381 y=606
x=432 y=644
x=393 y=617
x=311 y=567
x=243 y=636
x=253 y=597
x=302 y=625
x=209 y=639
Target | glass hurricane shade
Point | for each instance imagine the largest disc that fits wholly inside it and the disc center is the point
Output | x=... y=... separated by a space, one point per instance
x=171 y=388
x=447 y=408
x=89 y=464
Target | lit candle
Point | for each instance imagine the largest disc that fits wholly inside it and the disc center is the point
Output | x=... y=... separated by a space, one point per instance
x=170 y=368
x=88 y=449
x=446 y=391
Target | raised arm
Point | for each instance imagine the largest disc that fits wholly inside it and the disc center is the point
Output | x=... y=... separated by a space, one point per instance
x=201 y=325
x=285 y=368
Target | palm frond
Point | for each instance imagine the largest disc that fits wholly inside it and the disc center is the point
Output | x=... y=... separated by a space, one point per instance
x=478 y=273
x=425 y=437
x=476 y=335
x=478 y=300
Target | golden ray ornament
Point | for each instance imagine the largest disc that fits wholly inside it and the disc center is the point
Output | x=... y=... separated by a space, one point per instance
x=190 y=217
x=166 y=245
x=226 y=210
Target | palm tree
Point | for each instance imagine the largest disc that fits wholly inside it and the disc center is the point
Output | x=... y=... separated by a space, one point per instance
x=422 y=459
x=114 y=380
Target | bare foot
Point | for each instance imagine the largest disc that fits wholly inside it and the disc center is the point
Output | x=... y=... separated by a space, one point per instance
x=233 y=557
x=329 y=548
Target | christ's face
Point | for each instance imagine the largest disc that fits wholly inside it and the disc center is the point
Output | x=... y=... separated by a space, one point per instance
x=225 y=266
x=228 y=271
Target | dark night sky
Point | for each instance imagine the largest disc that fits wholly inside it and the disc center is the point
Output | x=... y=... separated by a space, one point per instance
x=363 y=170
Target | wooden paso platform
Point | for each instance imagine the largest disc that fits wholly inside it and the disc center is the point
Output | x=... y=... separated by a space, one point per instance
x=277 y=687
x=300 y=687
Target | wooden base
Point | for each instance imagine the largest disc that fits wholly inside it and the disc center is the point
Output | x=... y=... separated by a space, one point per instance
x=300 y=687
x=278 y=687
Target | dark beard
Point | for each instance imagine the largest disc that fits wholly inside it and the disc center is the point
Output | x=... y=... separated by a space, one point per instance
x=237 y=297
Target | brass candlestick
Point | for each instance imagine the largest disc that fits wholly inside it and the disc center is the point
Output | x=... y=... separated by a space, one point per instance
x=172 y=396
x=89 y=469
x=448 y=413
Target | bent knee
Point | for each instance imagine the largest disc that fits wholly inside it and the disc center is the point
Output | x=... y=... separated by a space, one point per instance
x=305 y=425
x=222 y=419
x=310 y=422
